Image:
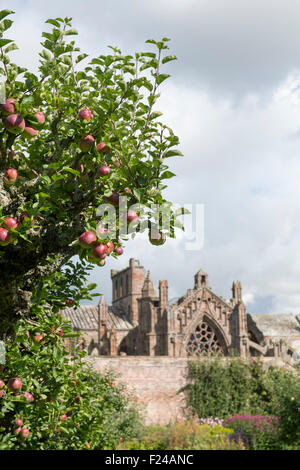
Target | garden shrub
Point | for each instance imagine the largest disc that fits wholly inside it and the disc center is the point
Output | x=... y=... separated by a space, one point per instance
x=61 y=404
x=256 y=432
x=183 y=436
x=225 y=388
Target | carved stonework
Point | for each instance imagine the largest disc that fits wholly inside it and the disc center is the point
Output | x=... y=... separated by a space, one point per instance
x=201 y=323
x=203 y=341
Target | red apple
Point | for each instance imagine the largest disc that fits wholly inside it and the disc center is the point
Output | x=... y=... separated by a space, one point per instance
x=2 y=393
x=100 y=251
x=38 y=338
x=64 y=417
x=8 y=107
x=29 y=397
x=10 y=222
x=29 y=132
x=2 y=384
x=18 y=422
x=103 y=148
x=132 y=216
x=119 y=250
x=110 y=246
x=70 y=302
x=86 y=143
x=15 y=123
x=158 y=240
x=15 y=384
x=87 y=239
x=10 y=176
x=114 y=199
x=103 y=170
x=116 y=162
x=40 y=117
x=86 y=114
x=59 y=332
x=127 y=191
x=4 y=236
x=24 y=433
x=17 y=430
x=102 y=262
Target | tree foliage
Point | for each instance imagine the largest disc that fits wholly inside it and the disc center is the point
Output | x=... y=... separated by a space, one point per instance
x=58 y=129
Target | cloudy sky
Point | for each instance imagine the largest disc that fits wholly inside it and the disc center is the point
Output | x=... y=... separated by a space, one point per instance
x=234 y=100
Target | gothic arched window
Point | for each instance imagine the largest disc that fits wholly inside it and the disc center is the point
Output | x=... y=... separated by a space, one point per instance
x=203 y=342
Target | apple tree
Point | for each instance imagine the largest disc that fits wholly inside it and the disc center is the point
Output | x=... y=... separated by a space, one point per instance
x=73 y=138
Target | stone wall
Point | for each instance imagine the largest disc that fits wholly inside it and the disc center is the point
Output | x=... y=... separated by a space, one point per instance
x=155 y=381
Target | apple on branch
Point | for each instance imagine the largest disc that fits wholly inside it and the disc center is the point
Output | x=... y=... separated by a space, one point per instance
x=15 y=124
x=103 y=148
x=10 y=176
x=29 y=132
x=103 y=170
x=132 y=216
x=119 y=250
x=8 y=107
x=100 y=251
x=114 y=198
x=86 y=143
x=10 y=222
x=87 y=239
x=14 y=384
x=40 y=117
x=4 y=236
x=158 y=239
x=85 y=114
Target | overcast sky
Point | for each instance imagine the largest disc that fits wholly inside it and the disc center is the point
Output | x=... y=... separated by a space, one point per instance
x=233 y=100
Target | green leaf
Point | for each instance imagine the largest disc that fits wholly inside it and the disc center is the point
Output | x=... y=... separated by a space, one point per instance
x=45 y=54
x=47 y=36
x=168 y=58
x=148 y=54
x=4 y=13
x=81 y=57
x=66 y=60
x=173 y=153
x=4 y=42
x=155 y=115
x=80 y=76
x=5 y=24
x=91 y=286
x=167 y=175
x=71 y=32
x=12 y=47
x=70 y=170
x=182 y=211
x=53 y=22
x=162 y=77
x=151 y=41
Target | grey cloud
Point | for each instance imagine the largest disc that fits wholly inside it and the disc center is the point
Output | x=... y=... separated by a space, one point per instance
x=241 y=159
x=231 y=47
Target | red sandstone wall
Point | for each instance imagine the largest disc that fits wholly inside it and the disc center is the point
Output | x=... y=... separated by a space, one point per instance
x=155 y=381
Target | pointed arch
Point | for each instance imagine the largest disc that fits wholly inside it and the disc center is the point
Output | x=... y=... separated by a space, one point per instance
x=205 y=337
